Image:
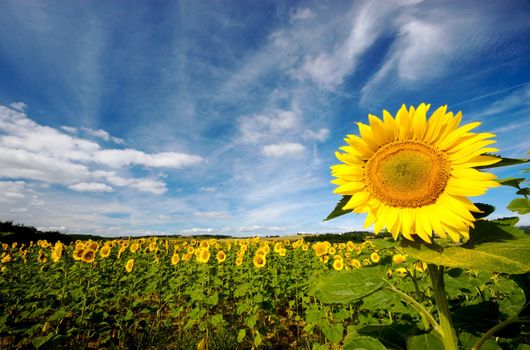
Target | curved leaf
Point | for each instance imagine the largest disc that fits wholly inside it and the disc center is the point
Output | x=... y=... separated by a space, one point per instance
x=491 y=248
x=346 y=286
x=338 y=211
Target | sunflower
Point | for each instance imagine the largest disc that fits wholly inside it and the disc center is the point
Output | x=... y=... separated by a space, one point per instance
x=129 y=265
x=399 y=259
x=338 y=264
x=320 y=248
x=134 y=247
x=239 y=261
x=375 y=257
x=259 y=261
x=105 y=251
x=175 y=258
x=88 y=255
x=203 y=255
x=78 y=253
x=412 y=175
x=221 y=256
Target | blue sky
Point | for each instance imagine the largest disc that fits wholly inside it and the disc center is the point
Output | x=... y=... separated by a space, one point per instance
x=187 y=117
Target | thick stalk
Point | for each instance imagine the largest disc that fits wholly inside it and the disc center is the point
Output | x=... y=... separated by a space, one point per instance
x=449 y=339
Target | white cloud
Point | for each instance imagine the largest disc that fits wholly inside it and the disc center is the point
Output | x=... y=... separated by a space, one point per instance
x=207 y=189
x=255 y=128
x=19 y=106
x=69 y=129
x=212 y=214
x=19 y=210
x=328 y=69
x=321 y=135
x=301 y=14
x=90 y=187
x=104 y=135
x=286 y=149
x=31 y=151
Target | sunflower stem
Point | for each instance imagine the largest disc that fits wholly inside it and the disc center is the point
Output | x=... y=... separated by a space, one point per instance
x=447 y=332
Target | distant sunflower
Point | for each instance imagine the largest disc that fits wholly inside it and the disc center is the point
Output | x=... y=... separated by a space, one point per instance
x=78 y=253
x=239 y=261
x=129 y=265
x=412 y=175
x=220 y=256
x=399 y=259
x=105 y=251
x=259 y=261
x=88 y=255
x=134 y=247
x=203 y=255
x=375 y=257
x=320 y=248
x=338 y=264
x=175 y=259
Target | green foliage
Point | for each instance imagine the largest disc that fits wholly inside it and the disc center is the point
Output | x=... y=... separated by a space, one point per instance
x=363 y=342
x=338 y=211
x=486 y=209
x=492 y=248
x=427 y=341
x=504 y=162
x=520 y=205
x=346 y=286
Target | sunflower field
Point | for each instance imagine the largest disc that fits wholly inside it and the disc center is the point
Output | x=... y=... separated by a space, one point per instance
x=163 y=293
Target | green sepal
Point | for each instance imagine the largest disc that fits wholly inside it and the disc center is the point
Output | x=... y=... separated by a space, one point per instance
x=486 y=209
x=338 y=211
x=503 y=162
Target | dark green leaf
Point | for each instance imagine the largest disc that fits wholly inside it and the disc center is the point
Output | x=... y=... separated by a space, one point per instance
x=504 y=162
x=338 y=211
x=363 y=342
x=520 y=205
x=426 y=341
x=512 y=181
x=40 y=341
x=468 y=340
x=524 y=191
x=486 y=209
x=346 y=286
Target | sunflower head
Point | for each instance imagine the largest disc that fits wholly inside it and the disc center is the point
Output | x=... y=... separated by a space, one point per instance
x=129 y=265
x=338 y=264
x=412 y=174
x=259 y=261
x=221 y=256
x=88 y=255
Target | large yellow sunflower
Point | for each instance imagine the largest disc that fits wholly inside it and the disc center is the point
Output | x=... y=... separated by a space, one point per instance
x=412 y=174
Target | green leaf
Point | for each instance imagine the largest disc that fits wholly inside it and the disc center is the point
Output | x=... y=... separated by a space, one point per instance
x=426 y=341
x=511 y=181
x=346 y=286
x=333 y=332
x=241 y=335
x=362 y=343
x=520 y=205
x=257 y=340
x=504 y=162
x=486 y=209
x=524 y=191
x=468 y=340
x=40 y=341
x=338 y=211
x=491 y=248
